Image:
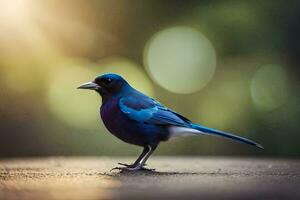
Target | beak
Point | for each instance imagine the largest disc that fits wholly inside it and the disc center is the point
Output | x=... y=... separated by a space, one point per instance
x=89 y=86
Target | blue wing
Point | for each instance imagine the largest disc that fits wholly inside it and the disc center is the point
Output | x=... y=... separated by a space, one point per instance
x=143 y=109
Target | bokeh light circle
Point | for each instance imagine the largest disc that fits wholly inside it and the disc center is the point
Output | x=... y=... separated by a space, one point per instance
x=180 y=59
x=269 y=87
x=77 y=108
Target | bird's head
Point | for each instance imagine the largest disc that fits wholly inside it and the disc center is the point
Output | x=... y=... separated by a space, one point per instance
x=106 y=85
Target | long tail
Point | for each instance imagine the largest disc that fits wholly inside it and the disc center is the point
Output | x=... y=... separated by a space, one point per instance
x=210 y=131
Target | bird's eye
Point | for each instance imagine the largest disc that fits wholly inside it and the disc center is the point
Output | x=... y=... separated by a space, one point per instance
x=107 y=81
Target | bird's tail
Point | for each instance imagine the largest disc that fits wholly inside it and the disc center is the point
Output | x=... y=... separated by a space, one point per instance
x=210 y=131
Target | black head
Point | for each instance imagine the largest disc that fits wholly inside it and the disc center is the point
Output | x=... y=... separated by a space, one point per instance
x=106 y=84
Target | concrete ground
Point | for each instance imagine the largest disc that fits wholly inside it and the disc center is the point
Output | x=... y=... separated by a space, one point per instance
x=175 y=178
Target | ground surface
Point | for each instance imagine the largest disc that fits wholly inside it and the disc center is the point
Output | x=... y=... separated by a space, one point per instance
x=176 y=178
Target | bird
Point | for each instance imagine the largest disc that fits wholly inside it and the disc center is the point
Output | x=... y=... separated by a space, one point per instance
x=137 y=119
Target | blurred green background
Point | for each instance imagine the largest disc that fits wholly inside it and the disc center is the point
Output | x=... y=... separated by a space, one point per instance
x=231 y=65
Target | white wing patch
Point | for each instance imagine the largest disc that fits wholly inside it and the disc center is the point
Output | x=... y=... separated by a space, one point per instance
x=177 y=131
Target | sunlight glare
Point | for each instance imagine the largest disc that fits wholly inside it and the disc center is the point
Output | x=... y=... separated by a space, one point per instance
x=13 y=11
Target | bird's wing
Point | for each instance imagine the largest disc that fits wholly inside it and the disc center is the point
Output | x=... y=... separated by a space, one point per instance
x=143 y=109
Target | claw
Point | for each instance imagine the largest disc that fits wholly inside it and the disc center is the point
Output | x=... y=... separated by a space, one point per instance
x=126 y=165
x=148 y=169
x=116 y=168
x=128 y=169
x=131 y=169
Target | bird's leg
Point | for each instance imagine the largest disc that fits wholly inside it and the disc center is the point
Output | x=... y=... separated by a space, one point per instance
x=140 y=162
x=145 y=150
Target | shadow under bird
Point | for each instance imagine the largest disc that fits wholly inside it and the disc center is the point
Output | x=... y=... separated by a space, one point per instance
x=138 y=119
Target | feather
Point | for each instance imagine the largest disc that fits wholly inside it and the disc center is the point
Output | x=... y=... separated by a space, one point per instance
x=214 y=132
x=178 y=131
x=146 y=110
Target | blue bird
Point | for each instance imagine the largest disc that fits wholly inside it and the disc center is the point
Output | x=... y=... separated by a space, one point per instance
x=138 y=119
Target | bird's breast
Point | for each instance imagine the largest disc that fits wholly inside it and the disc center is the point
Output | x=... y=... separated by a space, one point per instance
x=127 y=129
x=115 y=121
x=109 y=112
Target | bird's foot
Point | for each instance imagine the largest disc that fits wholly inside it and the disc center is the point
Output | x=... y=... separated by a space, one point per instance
x=129 y=165
x=126 y=165
x=131 y=168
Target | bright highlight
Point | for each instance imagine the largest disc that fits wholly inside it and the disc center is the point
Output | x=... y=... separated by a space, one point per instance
x=180 y=59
